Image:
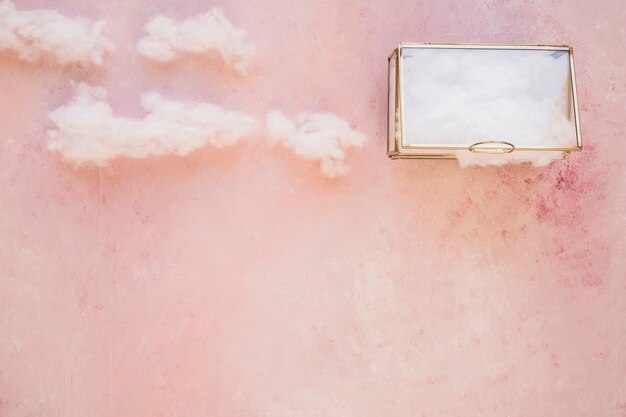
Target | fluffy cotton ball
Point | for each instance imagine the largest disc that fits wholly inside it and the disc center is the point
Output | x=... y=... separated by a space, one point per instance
x=458 y=97
x=320 y=136
x=210 y=31
x=32 y=34
x=87 y=132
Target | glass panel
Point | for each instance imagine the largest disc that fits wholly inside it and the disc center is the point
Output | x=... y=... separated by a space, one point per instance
x=459 y=96
x=391 y=143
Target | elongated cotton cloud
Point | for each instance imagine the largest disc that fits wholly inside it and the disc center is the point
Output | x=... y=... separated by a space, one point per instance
x=319 y=136
x=87 y=132
x=31 y=34
x=210 y=31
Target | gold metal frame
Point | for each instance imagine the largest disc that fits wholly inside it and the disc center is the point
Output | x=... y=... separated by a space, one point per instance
x=507 y=148
x=403 y=150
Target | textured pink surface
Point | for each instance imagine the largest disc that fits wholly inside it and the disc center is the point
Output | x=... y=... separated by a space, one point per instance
x=241 y=283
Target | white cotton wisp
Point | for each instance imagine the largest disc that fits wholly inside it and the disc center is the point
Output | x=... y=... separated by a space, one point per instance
x=320 y=136
x=210 y=31
x=33 y=34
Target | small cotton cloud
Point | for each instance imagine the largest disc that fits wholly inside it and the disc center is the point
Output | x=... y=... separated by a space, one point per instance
x=210 y=31
x=32 y=34
x=87 y=132
x=320 y=136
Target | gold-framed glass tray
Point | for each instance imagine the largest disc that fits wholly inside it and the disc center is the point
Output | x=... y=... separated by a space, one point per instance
x=482 y=101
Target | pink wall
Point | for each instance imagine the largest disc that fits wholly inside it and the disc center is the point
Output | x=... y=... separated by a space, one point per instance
x=240 y=282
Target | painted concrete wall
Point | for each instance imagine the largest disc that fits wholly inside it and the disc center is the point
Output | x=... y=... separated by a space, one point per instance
x=240 y=282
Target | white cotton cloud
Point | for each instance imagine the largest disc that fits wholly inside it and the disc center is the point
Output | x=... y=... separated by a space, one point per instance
x=320 y=136
x=31 y=34
x=210 y=31
x=87 y=132
x=458 y=97
x=538 y=159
